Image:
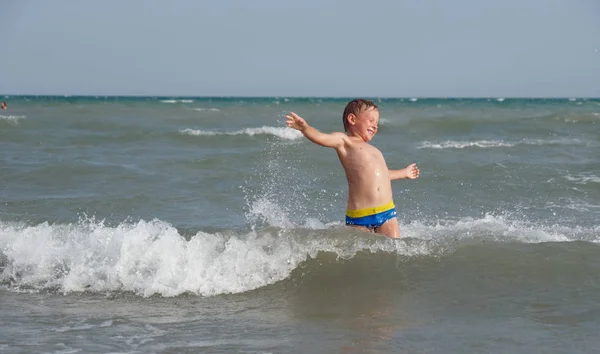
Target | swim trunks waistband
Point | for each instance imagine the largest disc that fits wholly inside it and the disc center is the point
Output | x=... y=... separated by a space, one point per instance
x=369 y=211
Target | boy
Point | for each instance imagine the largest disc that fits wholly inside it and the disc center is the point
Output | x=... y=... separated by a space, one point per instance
x=370 y=206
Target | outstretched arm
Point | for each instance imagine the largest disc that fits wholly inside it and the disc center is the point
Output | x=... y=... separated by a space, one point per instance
x=334 y=140
x=411 y=172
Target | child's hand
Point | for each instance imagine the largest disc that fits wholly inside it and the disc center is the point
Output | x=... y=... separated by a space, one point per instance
x=295 y=121
x=412 y=171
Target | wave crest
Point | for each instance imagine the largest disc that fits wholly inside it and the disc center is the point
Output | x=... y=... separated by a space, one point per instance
x=283 y=133
x=486 y=144
x=152 y=257
x=12 y=119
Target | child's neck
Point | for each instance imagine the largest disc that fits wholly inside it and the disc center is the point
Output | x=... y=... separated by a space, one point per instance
x=355 y=136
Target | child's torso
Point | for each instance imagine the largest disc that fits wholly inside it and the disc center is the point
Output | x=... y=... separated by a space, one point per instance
x=368 y=176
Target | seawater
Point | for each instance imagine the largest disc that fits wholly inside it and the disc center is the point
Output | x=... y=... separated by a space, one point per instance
x=187 y=224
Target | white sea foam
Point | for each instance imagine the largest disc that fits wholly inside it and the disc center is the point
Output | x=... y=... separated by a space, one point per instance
x=12 y=119
x=576 y=205
x=198 y=132
x=77 y=326
x=177 y=101
x=146 y=258
x=283 y=133
x=464 y=144
x=207 y=109
x=498 y=228
x=583 y=178
x=151 y=257
x=452 y=144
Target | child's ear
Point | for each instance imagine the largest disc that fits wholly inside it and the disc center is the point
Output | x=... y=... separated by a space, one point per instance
x=351 y=119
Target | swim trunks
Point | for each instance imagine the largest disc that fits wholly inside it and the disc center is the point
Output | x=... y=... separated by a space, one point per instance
x=371 y=218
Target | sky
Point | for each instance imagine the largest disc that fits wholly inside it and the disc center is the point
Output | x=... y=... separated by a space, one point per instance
x=316 y=48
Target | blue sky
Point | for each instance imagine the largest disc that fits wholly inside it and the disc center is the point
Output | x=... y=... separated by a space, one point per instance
x=386 y=48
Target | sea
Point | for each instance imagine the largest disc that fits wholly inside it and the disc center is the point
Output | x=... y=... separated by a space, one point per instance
x=205 y=225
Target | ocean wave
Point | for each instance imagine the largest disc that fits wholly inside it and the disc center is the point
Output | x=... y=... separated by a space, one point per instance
x=385 y=121
x=153 y=257
x=12 y=119
x=207 y=109
x=177 y=101
x=583 y=179
x=147 y=257
x=576 y=205
x=464 y=144
x=283 y=133
x=486 y=144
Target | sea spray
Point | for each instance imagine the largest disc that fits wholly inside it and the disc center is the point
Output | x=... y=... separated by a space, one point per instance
x=280 y=193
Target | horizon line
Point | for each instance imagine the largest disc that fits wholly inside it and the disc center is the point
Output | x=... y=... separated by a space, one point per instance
x=299 y=96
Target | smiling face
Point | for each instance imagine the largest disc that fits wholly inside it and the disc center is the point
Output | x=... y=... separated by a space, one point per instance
x=365 y=124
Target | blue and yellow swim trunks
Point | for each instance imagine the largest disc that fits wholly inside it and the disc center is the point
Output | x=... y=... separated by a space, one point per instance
x=371 y=218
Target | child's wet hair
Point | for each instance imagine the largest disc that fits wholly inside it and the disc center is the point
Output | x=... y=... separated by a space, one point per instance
x=355 y=107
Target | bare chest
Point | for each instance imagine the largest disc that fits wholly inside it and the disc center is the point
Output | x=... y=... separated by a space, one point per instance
x=364 y=156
